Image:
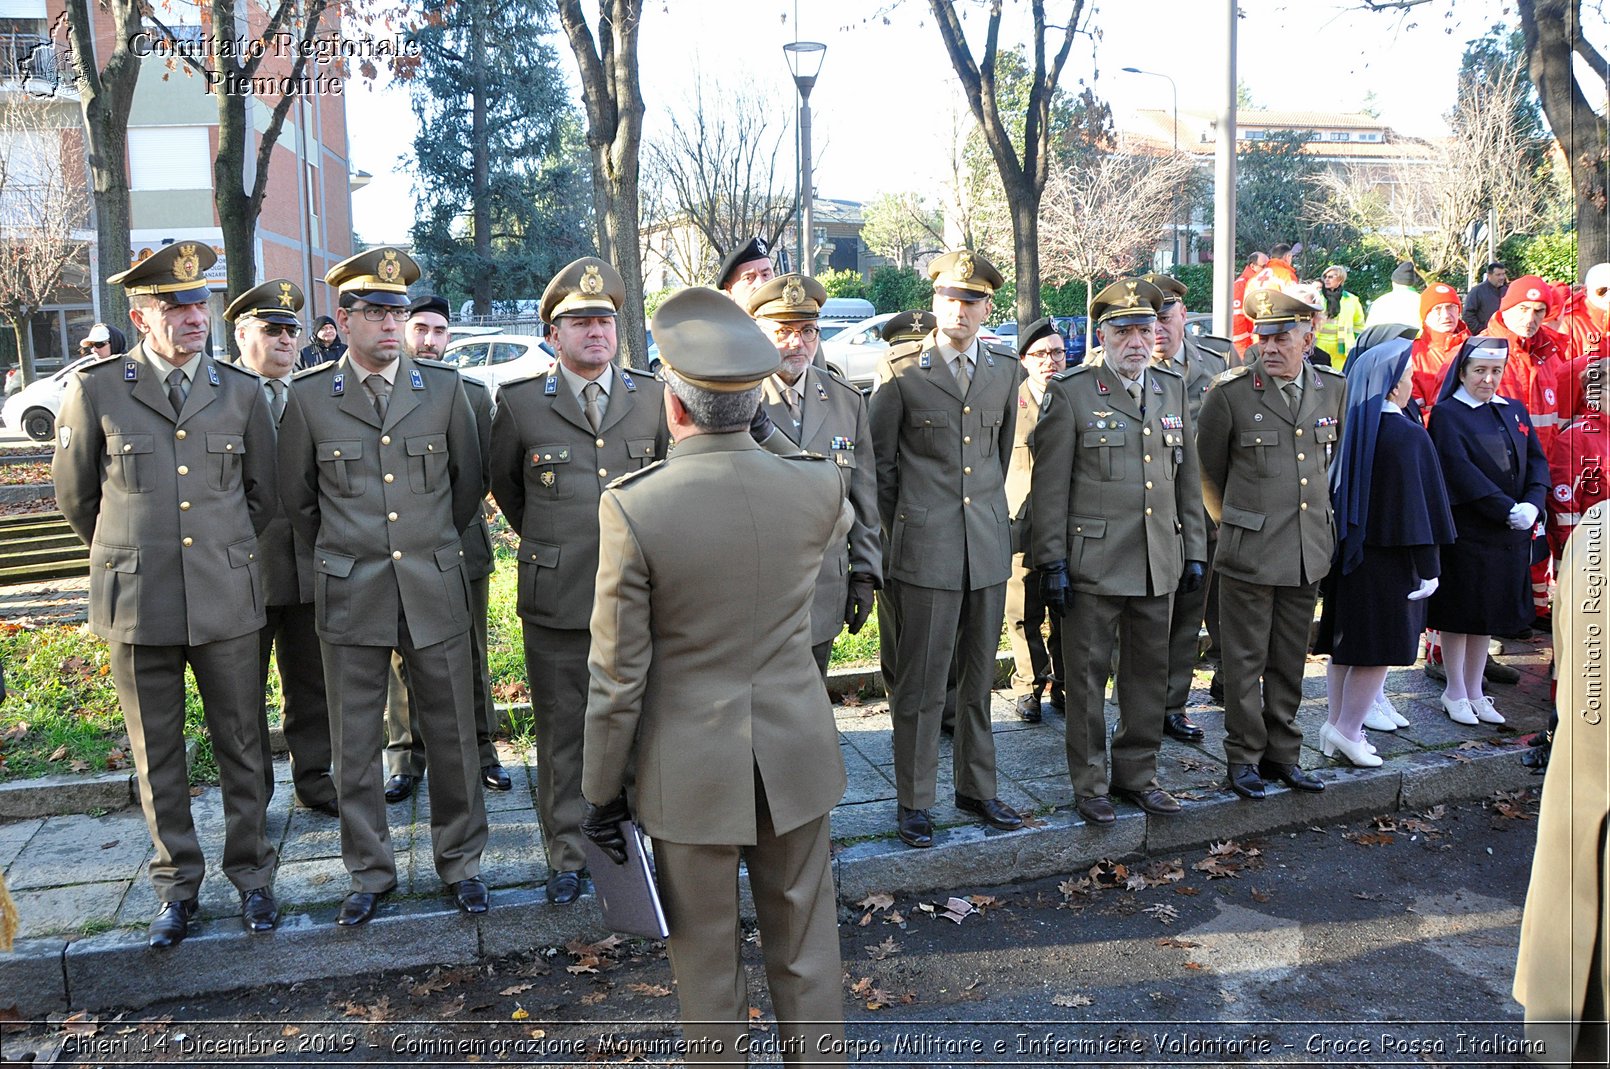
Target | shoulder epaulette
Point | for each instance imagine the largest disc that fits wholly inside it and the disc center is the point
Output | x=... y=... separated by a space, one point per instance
x=1160 y=369
x=239 y=368
x=803 y=454
x=520 y=381
x=1325 y=370
x=901 y=350
x=1068 y=373
x=1233 y=373
x=631 y=475
x=429 y=361
x=1000 y=348
x=314 y=370
x=106 y=360
x=642 y=373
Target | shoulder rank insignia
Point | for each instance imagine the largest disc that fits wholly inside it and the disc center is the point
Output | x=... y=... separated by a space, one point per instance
x=131 y=370
x=1173 y=423
x=550 y=387
x=338 y=385
x=629 y=382
x=415 y=379
x=212 y=373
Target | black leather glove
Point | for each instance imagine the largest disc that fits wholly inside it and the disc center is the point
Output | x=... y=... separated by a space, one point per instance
x=602 y=825
x=1192 y=578
x=1054 y=587
x=761 y=427
x=858 y=606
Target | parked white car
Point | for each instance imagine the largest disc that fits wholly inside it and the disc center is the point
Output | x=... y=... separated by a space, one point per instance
x=853 y=352
x=497 y=358
x=33 y=408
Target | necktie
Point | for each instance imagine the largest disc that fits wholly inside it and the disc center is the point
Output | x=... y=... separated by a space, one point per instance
x=963 y=379
x=276 y=401
x=380 y=390
x=791 y=398
x=1135 y=395
x=1293 y=394
x=593 y=406
x=176 y=390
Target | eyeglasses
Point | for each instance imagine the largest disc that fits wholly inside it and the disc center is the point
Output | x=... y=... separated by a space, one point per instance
x=782 y=334
x=274 y=330
x=1047 y=353
x=377 y=313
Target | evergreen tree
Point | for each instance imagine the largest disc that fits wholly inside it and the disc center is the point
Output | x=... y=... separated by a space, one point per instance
x=502 y=204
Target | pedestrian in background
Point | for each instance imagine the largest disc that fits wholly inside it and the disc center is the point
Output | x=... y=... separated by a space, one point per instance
x=1401 y=303
x=1485 y=296
x=1344 y=316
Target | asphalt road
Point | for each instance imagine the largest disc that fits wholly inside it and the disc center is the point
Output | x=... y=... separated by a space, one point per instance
x=1378 y=943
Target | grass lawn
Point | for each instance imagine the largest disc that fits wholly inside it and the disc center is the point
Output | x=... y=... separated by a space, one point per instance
x=62 y=714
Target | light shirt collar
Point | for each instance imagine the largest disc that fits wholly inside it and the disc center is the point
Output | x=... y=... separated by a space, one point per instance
x=1462 y=394
x=970 y=354
x=388 y=373
x=1390 y=406
x=1036 y=391
x=163 y=368
x=577 y=383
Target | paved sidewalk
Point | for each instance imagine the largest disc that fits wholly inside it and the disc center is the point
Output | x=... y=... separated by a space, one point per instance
x=80 y=885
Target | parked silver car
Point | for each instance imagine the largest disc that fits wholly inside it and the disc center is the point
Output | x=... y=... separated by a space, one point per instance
x=497 y=358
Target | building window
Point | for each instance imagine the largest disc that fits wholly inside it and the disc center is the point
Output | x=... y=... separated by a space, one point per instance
x=169 y=157
x=1257 y=135
x=1369 y=137
x=1339 y=135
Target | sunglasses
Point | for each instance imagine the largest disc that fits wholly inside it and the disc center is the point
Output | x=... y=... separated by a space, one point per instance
x=274 y=330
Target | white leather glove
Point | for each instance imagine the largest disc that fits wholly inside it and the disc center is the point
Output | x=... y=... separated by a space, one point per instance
x=1523 y=516
x=1426 y=588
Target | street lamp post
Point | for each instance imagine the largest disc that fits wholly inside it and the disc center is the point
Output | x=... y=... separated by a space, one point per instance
x=1176 y=91
x=805 y=61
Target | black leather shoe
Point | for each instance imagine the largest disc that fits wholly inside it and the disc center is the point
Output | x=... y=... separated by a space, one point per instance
x=359 y=907
x=916 y=828
x=1245 y=781
x=1498 y=672
x=329 y=809
x=1097 y=810
x=471 y=896
x=992 y=811
x=172 y=923
x=1028 y=708
x=1216 y=689
x=399 y=787
x=1059 y=701
x=1152 y=800
x=1292 y=776
x=258 y=913
x=1179 y=726
x=564 y=888
x=497 y=778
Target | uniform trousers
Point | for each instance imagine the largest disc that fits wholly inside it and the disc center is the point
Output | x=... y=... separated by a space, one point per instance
x=150 y=689
x=1142 y=686
x=304 y=708
x=791 y=879
x=1265 y=632
x=1035 y=661
x=405 y=749
x=556 y=670
x=822 y=652
x=933 y=628
x=1185 y=637
x=439 y=675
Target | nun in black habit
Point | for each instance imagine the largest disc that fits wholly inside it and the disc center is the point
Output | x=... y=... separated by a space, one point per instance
x=1498 y=481
x=1392 y=515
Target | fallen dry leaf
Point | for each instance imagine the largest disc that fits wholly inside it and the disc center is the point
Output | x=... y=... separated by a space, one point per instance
x=1165 y=913
x=851 y=700
x=58 y=753
x=1368 y=838
x=593 y=998
x=517 y=989
x=1195 y=965
x=1178 y=944
x=1188 y=891
x=81 y=1024
x=16 y=732
x=1070 y=1000
x=876 y=901
x=651 y=990
x=883 y=949
x=1260 y=896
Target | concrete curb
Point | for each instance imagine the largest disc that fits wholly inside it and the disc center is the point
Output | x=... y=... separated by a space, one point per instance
x=117 y=969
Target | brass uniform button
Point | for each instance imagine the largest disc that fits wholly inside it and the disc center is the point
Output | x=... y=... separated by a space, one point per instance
x=396 y=554
x=1299 y=432
x=602 y=472
x=184 y=506
x=599 y=443
x=967 y=410
x=1304 y=506
x=179 y=435
x=967 y=501
x=1148 y=458
x=184 y=469
x=385 y=439
x=1148 y=484
x=127 y=447
x=967 y=439
x=392 y=516
x=188 y=542
x=1303 y=481
x=430 y=447
x=1302 y=456
x=229 y=447
x=967 y=471
x=390 y=477
x=1146 y=431
x=336 y=453
x=1148 y=512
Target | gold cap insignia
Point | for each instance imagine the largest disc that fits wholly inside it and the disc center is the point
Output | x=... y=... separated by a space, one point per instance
x=286 y=300
x=389 y=269
x=592 y=281
x=1130 y=300
x=188 y=265
x=964 y=267
x=1265 y=305
x=794 y=293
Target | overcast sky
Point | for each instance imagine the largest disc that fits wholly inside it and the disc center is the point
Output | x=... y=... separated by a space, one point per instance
x=883 y=105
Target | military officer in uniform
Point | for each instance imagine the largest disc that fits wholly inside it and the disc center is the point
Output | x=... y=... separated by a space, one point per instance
x=744 y=270
x=165 y=468
x=943 y=419
x=266 y=327
x=821 y=413
x=426 y=336
x=701 y=669
x=1177 y=351
x=380 y=470
x=557 y=441
x=1117 y=529
x=1036 y=663
x=1266 y=437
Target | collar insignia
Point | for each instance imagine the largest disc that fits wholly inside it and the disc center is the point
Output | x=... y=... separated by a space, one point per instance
x=628 y=382
x=415 y=379
x=131 y=371
x=550 y=387
x=212 y=374
x=338 y=384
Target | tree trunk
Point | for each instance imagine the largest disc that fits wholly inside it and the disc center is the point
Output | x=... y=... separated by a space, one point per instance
x=1025 y=202
x=105 y=95
x=1552 y=30
x=237 y=215
x=615 y=199
x=480 y=172
x=20 y=323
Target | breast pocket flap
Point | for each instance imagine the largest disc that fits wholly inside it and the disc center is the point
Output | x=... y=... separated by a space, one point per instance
x=424 y=445
x=243 y=553
x=114 y=558
x=1101 y=439
x=336 y=564
x=123 y=444
x=1087 y=526
x=640 y=448
x=450 y=556
x=1243 y=518
x=1257 y=438
x=348 y=450
x=542 y=554
x=219 y=442
x=913 y=516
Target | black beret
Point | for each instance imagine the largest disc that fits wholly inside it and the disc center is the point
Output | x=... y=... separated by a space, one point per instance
x=1036 y=330
x=430 y=302
x=756 y=249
